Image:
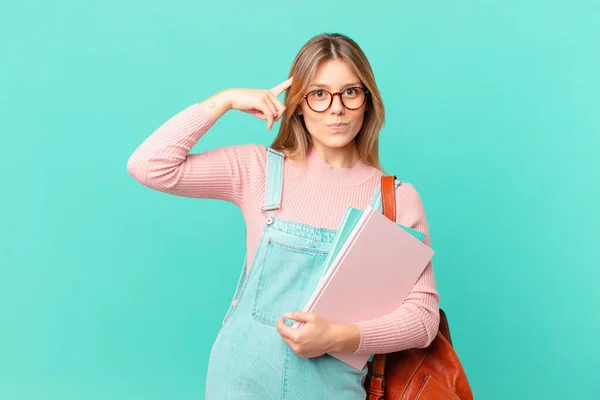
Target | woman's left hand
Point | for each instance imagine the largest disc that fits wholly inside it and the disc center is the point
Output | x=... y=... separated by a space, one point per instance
x=317 y=336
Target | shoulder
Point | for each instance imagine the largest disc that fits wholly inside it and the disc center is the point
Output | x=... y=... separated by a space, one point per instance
x=249 y=155
x=256 y=156
x=407 y=193
x=409 y=208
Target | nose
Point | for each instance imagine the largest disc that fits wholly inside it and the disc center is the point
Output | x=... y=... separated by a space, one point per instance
x=336 y=106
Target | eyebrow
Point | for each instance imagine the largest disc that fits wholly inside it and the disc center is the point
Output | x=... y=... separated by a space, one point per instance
x=322 y=85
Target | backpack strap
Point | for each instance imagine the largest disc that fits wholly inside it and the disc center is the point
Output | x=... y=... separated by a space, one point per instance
x=388 y=196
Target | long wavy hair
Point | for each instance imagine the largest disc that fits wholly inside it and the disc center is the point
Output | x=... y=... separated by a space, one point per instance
x=293 y=137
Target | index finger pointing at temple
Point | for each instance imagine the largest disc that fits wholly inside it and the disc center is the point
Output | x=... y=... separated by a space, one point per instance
x=277 y=90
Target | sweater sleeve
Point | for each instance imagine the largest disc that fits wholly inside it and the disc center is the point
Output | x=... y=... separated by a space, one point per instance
x=414 y=324
x=163 y=161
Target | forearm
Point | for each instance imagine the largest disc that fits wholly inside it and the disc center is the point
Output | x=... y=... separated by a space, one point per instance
x=163 y=160
x=413 y=324
x=156 y=162
x=169 y=145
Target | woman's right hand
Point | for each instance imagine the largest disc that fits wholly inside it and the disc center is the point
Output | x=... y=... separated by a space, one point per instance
x=263 y=104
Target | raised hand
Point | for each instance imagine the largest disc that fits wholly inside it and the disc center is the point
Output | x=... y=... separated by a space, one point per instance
x=262 y=103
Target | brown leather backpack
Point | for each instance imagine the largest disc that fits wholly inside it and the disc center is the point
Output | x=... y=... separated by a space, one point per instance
x=434 y=372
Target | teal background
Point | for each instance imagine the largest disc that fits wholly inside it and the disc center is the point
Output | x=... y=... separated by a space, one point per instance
x=109 y=290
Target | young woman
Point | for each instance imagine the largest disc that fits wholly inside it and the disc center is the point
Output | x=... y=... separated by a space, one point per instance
x=293 y=195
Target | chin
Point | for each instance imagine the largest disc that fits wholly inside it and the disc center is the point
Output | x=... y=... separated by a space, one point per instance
x=337 y=142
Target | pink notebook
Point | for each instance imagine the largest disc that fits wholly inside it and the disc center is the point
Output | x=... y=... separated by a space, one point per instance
x=377 y=254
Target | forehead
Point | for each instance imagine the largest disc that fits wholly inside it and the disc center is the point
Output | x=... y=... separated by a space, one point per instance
x=334 y=74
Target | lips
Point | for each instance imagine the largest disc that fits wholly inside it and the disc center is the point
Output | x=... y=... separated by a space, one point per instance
x=337 y=125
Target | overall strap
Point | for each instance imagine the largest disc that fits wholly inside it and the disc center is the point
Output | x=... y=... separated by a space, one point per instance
x=273 y=180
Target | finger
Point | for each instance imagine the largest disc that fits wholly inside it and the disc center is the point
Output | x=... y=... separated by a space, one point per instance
x=300 y=316
x=287 y=332
x=277 y=90
x=256 y=112
x=290 y=344
x=278 y=104
x=271 y=105
x=269 y=113
x=260 y=114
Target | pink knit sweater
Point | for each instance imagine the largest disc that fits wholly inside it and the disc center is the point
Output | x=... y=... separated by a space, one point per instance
x=318 y=195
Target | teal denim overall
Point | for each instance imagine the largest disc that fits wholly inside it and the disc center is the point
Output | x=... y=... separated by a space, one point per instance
x=249 y=359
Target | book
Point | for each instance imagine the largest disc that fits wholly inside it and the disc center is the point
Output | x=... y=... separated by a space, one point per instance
x=349 y=221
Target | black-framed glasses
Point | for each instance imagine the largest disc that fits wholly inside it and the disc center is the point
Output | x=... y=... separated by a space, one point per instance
x=352 y=98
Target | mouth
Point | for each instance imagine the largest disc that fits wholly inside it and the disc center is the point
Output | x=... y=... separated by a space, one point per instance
x=337 y=125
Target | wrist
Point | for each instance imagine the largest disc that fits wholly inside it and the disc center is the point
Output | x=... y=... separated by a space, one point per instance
x=218 y=104
x=344 y=338
x=226 y=98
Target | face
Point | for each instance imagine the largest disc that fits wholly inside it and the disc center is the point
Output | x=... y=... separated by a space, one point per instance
x=333 y=76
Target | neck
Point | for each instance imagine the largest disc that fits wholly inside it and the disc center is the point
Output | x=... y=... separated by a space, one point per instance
x=343 y=157
x=338 y=167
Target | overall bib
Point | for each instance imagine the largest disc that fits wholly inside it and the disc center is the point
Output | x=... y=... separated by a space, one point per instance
x=249 y=359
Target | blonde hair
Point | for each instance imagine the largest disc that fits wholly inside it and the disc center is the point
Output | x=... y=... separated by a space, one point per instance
x=293 y=138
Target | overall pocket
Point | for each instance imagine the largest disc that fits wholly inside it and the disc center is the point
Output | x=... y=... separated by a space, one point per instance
x=288 y=276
